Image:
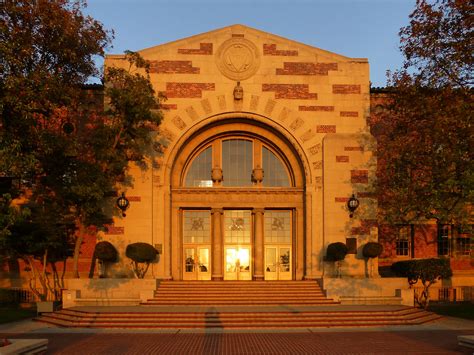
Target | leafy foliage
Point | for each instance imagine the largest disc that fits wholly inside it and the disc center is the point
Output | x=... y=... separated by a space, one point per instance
x=424 y=132
x=141 y=253
x=428 y=271
x=336 y=251
x=372 y=250
x=105 y=252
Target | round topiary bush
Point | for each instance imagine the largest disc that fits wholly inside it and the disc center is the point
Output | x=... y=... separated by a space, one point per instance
x=106 y=252
x=336 y=251
x=372 y=250
x=141 y=253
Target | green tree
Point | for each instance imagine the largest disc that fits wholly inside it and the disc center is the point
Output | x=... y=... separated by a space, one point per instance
x=70 y=157
x=425 y=131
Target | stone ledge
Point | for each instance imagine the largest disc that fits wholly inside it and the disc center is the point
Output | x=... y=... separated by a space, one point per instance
x=370 y=300
x=25 y=346
x=466 y=340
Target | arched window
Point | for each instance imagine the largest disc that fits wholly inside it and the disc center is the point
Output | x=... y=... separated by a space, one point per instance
x=237 y=162
x=237 y=157
x=274 y=170
x=199 y=174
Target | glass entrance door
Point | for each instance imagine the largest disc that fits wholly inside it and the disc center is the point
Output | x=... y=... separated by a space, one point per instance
x=237 y=263
x=278 y=262
x=197 y=263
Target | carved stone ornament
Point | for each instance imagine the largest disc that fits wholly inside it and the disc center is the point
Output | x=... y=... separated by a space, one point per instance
x=238 y=58
x=257 y=174
x=216 y=175
x=238 y=92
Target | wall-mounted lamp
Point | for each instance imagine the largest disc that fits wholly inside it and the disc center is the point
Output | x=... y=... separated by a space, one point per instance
x=123 y=203
x=352 y=205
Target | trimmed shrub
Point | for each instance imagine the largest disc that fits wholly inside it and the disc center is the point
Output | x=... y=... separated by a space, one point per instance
x=106 y=252
x=372 y=250
x=428 y=271
x=336 y=252
x=141 y=253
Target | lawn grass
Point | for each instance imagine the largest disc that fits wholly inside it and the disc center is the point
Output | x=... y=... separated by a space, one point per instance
x=12 y=313
x=463 y=310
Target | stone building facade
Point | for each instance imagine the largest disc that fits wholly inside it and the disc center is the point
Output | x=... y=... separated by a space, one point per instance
x=263 y=142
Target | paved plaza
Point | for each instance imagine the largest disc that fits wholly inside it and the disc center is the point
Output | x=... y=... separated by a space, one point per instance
x=438 y=337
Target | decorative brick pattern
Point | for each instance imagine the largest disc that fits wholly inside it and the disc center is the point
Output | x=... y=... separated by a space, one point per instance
x=222 y=102
x=316 y=108
x=304 y=68
x=342 y=159
x=341 y=199
x=366 y=194
x=254 y=102
x=271 y=49
x=353 y=149
x=192 y=113
x=187 y=90
x=318 y=165
x=173 y=67
x=318 y=180
x=206 y=106
x=349 y=114
x=178 y=122
x=204 y=49
x=134 y=198
x=290 y=91
x=359 y=176
x=270 y=106
x=296 y=124
x=115 y=230
x=238 y=35
x=326 y=129
x=364 y=228
x=169 y=106
x=345 y=89
x=315 y=149
x=307 y=135
x=284 y=114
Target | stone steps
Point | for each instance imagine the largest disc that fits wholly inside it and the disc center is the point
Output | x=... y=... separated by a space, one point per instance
x=224 y=293
x=237 y=320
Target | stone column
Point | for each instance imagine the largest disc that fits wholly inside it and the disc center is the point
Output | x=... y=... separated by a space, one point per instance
x=217 y=245
x=259 y=250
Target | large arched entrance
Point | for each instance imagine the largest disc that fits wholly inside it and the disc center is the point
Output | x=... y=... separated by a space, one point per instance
x=237 y=202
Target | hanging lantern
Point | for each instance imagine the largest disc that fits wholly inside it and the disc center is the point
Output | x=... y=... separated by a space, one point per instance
x=352 y=205
x=123 y=203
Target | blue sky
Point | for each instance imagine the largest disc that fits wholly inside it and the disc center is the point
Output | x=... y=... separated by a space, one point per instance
x=354 y=28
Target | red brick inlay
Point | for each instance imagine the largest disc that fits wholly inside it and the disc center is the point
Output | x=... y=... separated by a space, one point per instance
x=341 y=199
x=326 y=129
x=342 y=159
x=115 y=230
x=345 y=89
x=366 y=195
x=353 y=149
x=187 y=90
x=134 y=198
x=204 y=49
x=349 y=114
x=290 y=91
x=237 y=35
x=270 y=49
x=305 y=68
x=359 y=176
x=169 y=106
x=316 y=108
x=173 y=67
x=364 y=228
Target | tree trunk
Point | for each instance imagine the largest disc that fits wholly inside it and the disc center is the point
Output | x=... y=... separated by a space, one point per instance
x=77 y=251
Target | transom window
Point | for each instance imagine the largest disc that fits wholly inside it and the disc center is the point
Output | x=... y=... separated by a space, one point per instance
x=197 y=227
x=237 y=158
x=237 y=227
x=277 y=227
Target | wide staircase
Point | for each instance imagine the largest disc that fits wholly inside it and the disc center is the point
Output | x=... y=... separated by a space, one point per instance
x=238 y=293
x=237 y=305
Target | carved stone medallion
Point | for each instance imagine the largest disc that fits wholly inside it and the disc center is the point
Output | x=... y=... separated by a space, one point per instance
x=238 y=58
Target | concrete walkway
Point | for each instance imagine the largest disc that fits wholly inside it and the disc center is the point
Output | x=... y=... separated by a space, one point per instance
x=439 y=337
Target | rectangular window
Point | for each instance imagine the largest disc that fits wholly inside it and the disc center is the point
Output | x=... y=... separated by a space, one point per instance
x=464 y=241
x=444 y=238
x=277 y=227
x=402 y=244
x=237 y=224
x=196 y=227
